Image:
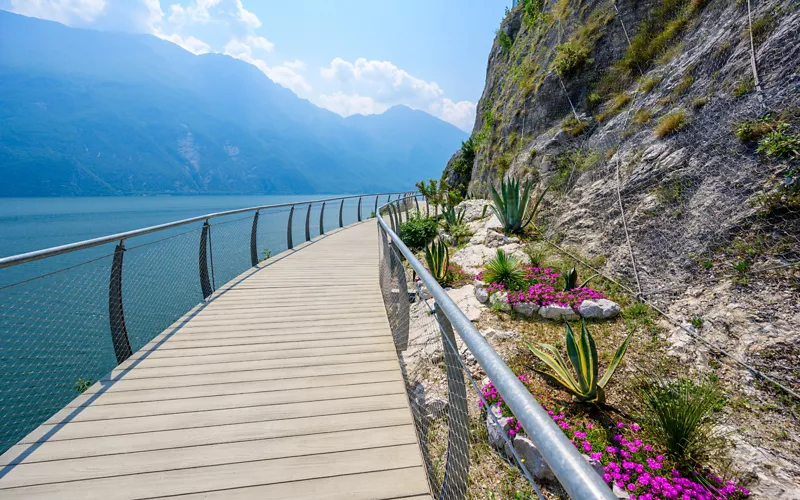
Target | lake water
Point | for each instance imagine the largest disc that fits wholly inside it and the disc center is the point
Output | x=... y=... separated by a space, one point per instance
x=54 y=313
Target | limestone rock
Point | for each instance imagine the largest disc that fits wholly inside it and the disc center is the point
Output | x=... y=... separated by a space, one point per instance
x=497 y=429
x=491 y=333
x=600 y=308
x=499 y=301
x=526 y=309
x=554 y=311
x=433 y=405
x=473 y=209
x=496 y=239
x=482 y=295
x=532 y=459
x=596 y=465
x=466 y=300
x=619 y=492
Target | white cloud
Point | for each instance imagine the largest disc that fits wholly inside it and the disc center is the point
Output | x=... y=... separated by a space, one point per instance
x=189 y=43
x=69 y=12
x=206 y=11
x=296 y=65
x=259 y=42
x=372 y=86
x=351 y=104
x=461 y=114
x=285 y=74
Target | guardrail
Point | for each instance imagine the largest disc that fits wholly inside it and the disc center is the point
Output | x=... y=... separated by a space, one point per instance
x=416 y=334
x=70 y=314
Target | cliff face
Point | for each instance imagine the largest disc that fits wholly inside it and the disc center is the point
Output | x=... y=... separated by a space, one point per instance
x=648 y=108
x=669 y=164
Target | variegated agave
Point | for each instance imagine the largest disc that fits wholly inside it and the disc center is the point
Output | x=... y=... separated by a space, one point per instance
x=511 y=205
x=437 y=256
x=584 y=386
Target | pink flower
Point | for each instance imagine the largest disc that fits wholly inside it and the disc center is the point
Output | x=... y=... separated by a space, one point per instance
x=596 y=456
x=635 y=427
x=620 y=425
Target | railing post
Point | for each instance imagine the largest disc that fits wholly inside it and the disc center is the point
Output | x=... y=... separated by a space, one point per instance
x=308 y=219
x=289 y=244
x=376 y=206
x=116 y=313
x=416 y=202
x=253 y=234
x=456 y=469
x=321 y=215
x=359 y=209
x=205 y=282
x=427 y=207
x=341 y=209
x=405 y=204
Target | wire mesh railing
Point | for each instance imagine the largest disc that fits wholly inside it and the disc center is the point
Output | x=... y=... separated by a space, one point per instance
x=69 y=315
x=441 y=354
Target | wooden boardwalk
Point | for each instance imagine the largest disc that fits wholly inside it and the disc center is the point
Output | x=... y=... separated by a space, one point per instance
x=285 y=384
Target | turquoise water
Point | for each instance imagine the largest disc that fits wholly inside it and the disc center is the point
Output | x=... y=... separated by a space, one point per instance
x=54 y=324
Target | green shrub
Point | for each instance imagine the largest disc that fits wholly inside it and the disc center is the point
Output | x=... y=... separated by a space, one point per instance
x=573 y=126
x=682 y=86
x=458 y=232
x=535 y=254
x=569 y=165
x=615 y=106
x=570 y=58
x=743 y=87
x=594 y=100
x=417 y=231
x=779 y=143
x=584 y=386
x=511 y=205
x=699 y=102
x=642 y=116
x=681 y=415
x=752 y=131
x=649 y=83
x=670 y=123
x=532 y=12
x=505 y=268
x=82 y=385
x=504 y=40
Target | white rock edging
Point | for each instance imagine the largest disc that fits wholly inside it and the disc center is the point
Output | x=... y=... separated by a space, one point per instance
x=599 y=308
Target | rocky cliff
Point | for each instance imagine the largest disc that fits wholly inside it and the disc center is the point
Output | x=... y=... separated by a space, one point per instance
x=669 y=134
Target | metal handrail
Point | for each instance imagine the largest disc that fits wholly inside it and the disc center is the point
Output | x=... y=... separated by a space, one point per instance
x=572 y=470
x=14 y=260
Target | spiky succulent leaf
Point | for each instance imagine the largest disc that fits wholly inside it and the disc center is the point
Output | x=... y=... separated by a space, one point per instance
x=437 y=257
x=552 y=358
x=615 y=362
x=570 y=279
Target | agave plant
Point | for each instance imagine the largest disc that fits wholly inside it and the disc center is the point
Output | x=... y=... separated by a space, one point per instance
x=511 y=205
x=505 y=268
x=585 y=386
x=452 y=217
x=571 y=280
x=438 y=258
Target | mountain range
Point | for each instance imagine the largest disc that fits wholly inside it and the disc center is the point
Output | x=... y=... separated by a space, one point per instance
x=86 y=112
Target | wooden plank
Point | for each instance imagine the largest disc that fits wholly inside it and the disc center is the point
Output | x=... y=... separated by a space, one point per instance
x=279 y=374
x=115 y=396
x=252 y=355
x=229 y=433
x=204 y=456
x=398 y=483
x=225 y=401
x=227 y=476
x=169 y=371
x=202 y=419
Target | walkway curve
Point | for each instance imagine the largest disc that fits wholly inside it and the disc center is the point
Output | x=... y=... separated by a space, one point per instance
x=284 y=384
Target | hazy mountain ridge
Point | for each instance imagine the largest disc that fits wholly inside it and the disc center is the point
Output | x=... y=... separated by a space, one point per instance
x=95 y=113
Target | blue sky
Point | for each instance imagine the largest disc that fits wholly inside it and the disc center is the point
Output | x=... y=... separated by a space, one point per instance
x=349 y=56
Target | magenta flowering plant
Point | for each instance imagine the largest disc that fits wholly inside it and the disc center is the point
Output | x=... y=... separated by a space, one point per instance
x=539 y=287
x=639 y=469
x=493 y=397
